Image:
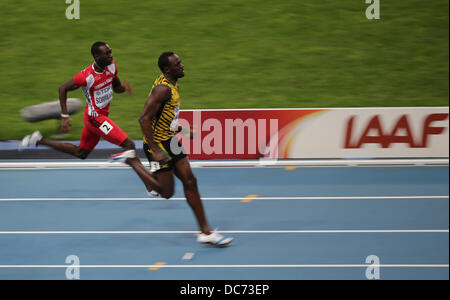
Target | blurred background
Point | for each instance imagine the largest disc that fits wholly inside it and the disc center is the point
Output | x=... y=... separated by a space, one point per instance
x=237 y=54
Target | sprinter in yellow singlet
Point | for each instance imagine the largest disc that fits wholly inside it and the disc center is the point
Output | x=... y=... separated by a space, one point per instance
x=159 y=124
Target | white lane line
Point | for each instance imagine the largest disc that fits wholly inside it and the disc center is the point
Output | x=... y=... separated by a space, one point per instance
x=249 y=163
x=231 y=198
x=223 y=231
x=235 y=266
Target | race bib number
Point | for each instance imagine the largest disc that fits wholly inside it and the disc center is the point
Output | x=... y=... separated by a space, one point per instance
x=154 y=166
x=174 y=124
x=103 y=96
x=106 y=127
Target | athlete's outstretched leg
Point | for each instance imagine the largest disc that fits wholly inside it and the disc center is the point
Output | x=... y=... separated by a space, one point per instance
x=36 y=139
x=184 y=172
x=66 y=148
x=151 y=182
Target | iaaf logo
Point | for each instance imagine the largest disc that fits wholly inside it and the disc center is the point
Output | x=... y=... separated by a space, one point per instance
x=231 y=136
x=385 y=138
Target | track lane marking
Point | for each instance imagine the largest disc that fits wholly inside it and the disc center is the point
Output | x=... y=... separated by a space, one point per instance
x=231 y=198
x=235 y=266
x=54 y=232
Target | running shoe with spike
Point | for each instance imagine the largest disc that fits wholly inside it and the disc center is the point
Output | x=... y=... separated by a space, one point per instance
x=153 y=194
x=30 y=140
x=123 y=156
x=214 y=238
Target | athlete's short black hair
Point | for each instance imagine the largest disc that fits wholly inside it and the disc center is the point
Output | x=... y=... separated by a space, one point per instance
x=95 y=49
x=163 y=60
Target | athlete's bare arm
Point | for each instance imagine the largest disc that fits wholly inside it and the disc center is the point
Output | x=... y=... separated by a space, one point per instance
x=119 y=88
x=63 y=89
x=158 y=96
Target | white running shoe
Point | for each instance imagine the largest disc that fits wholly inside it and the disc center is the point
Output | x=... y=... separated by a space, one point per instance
x=30 y=140
x=214 y=238
x=122 y=157
x=153 y=194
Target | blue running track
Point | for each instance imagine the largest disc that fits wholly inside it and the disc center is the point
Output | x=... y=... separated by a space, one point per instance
x=302 y=223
